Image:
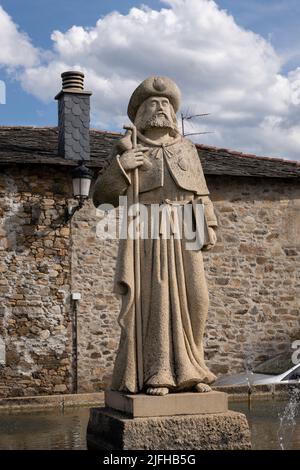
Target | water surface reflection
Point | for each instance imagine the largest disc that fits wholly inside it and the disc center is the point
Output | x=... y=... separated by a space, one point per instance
x=49 y=429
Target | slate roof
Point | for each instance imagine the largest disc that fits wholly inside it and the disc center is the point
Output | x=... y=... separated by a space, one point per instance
x=38 y=145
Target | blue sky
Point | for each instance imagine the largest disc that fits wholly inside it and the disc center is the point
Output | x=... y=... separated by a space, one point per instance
x=275 y=21
x=38 y=18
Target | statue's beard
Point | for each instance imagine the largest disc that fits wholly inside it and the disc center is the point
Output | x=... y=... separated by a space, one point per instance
x=158 y=121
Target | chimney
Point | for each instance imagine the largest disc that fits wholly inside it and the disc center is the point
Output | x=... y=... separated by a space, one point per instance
x=73 y=117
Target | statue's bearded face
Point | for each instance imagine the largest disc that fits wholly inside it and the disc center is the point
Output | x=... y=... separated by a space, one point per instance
x=156 y=111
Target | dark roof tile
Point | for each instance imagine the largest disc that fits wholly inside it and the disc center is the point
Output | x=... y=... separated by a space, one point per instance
x=29 y=145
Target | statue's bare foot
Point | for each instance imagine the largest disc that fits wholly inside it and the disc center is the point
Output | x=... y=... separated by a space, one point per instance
x=158 y=391
x=202 y=388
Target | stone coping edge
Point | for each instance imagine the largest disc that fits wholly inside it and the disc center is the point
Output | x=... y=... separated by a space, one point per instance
x=52 y=401
x=237 y=393
x=274 y=389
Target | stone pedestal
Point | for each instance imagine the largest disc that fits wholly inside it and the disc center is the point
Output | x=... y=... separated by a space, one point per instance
x=186 y=421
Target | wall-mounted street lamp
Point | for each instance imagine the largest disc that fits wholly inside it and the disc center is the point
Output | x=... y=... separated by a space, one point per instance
x=81 y=181
x=82 y=177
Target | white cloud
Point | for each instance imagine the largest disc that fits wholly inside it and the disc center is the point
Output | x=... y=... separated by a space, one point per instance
x=221 y=68
x=15 y=47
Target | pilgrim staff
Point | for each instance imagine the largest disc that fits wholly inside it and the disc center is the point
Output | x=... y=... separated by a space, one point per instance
x=137 y=265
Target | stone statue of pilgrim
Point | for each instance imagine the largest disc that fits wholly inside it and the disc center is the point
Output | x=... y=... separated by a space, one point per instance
x=174 y=295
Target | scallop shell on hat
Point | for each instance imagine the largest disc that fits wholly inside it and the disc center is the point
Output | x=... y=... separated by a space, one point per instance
x=159 y=84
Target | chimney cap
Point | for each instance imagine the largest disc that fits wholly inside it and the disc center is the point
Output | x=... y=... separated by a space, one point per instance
x=72 y=72
x=72 y=79
x=72 y=82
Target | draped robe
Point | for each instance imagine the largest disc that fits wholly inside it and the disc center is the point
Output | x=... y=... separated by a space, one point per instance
x=173 y=286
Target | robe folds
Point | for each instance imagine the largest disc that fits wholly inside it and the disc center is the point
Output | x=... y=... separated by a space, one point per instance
x=173 y=286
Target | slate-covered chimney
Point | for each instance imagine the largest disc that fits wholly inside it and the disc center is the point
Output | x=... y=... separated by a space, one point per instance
x=73 y=117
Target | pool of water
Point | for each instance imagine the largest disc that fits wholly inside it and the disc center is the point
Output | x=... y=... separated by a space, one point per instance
x=271 y=422
x=48 y=429
x=274 y=424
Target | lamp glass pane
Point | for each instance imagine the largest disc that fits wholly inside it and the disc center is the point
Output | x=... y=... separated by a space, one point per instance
x=76 y=187
x=85 y=184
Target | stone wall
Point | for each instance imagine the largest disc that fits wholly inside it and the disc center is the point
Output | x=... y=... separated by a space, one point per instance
x=35 y=323
x=253 y=275
x=93 y=266
x=253 y=272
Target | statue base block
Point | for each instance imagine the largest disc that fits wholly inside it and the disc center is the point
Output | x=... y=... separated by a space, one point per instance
x=111 y=429
x=173 y=404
